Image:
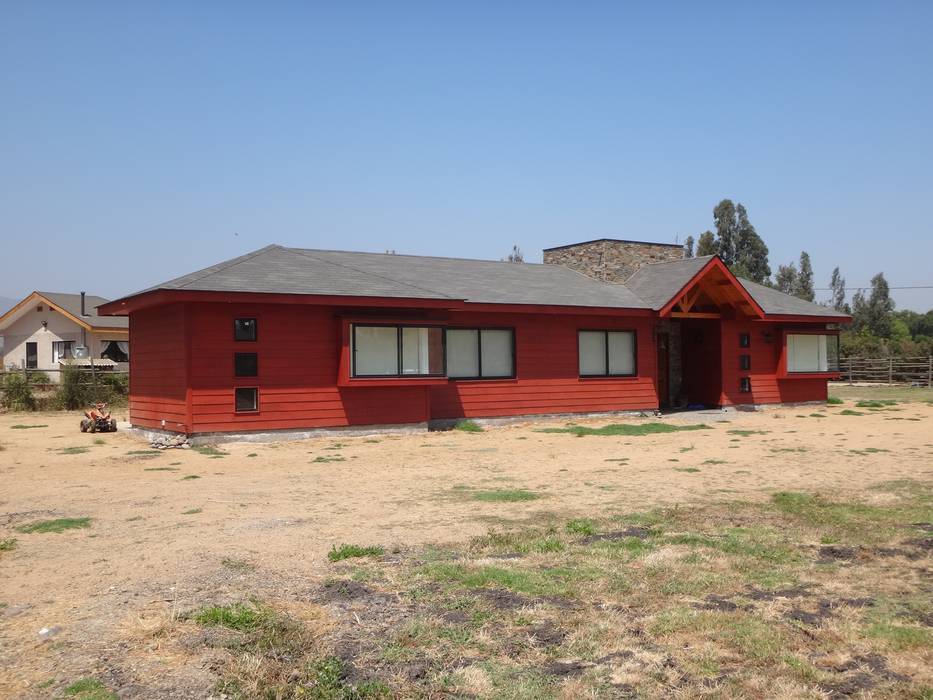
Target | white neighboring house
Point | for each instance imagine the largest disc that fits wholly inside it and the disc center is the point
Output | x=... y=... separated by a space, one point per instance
x=47 y=329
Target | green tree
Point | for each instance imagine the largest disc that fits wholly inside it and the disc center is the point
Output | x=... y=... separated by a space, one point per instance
x=727 y=225
x=874 y=314
x=786 y=278
x=751 y=253
x=837 y=286
x=803 y=286
x=688 y=247
x=706 y=245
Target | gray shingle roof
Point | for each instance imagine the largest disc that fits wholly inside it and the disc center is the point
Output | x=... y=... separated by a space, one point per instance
x=276 y=269
x=72 y=304
x=774 y=302
x=657 y=283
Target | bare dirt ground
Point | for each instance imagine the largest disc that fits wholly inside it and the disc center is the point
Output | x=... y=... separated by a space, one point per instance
x=174 y=531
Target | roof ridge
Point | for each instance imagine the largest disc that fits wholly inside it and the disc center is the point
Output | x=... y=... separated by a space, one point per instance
x=307 y=254
x=670 y=262
x=219 y=267
x=412 y=255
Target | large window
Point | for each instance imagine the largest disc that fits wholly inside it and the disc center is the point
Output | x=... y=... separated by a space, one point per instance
x=116 y=350
x=812 y=353
x=480 y=353
x=397 y=351
x=607 y=353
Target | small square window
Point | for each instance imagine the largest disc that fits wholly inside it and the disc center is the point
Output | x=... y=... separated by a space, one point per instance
x=245 y=364
x=745 y=340
x=745 y=385
x=745 y=362
x=244 y=329
x=247 y=400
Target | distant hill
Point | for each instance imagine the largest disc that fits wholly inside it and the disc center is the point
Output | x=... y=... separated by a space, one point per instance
x=6 y=303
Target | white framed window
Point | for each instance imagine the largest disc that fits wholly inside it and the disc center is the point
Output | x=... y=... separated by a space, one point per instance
x=397 y=351
x=811 y=352
x=62 y=350
x=480 y=353
x=607 y=353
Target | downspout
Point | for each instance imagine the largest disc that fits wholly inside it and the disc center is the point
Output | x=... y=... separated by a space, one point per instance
x=83 y=329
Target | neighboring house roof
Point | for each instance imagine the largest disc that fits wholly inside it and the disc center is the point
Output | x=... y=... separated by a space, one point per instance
x=279 y=270
x=276 y=269
x=657 y=283
x=70 y=305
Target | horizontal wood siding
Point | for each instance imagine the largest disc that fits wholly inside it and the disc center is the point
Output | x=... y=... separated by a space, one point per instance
x=297 y=350
x=547 y=370
x=765 y=350
x=158 y=373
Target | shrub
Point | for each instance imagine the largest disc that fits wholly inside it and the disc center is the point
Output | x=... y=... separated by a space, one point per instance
x=17 y=393
x=77 y=388
x=39 y=377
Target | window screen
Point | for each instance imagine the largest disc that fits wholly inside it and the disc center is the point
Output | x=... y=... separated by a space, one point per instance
x=244 y=329
x=247 y=400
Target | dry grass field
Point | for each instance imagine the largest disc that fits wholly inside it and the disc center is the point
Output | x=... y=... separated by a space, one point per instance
x=780 y=554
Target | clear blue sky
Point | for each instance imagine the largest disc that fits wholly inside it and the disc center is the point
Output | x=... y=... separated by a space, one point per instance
x=140 y=141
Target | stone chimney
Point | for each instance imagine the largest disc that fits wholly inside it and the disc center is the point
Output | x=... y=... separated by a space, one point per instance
x=610 y=259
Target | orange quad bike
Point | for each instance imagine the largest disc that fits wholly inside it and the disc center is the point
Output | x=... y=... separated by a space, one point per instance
x=97 y=420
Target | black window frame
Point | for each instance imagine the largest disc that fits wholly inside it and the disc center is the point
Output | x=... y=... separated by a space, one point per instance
x=236 y=407
x=745 y=362
x=35 y=355
x=479 y=351
x=745 y=340
x=606 y=332
x=236 y=368
x=255 y=329
x=398 y=351
x=745 y=385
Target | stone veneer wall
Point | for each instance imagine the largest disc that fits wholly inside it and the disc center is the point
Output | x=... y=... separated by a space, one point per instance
x=609 y=260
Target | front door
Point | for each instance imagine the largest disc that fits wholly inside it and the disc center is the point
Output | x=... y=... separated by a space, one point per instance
x=664 y=369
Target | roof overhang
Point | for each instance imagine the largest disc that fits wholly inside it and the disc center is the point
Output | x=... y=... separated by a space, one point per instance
x=714 y=281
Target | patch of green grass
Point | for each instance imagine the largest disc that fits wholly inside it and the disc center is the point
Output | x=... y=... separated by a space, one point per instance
x=191 y=511
x=143 y=453
x=239 y=616
x=532 y=582
x=715 y=461
x=505 y=495
x=237 y=564
x=20 y=426
x=689 y=470
x=100 y=441
x=8 y=544
x=327 y=680
x=160 y=469
x=834 y=400
x=818 y=415
x=252 y=454
x=57 y=525
x=323 y=460
x=134 y=518
x=901 y=637
x=74 y=450
x=746 y=433
x=624 y=429
x=869 y=450
x=850 y=412
x=875 y=403
x=349 y=551
x=89 y=689
x=468 y=426
x=189 y=477
x=210 y=451
x=580 y=526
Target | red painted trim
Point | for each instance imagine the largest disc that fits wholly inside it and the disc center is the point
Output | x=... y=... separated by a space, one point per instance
x=716 y=263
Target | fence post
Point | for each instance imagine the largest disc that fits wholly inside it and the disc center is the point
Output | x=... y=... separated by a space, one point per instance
x=890 y=370
x=930 y=372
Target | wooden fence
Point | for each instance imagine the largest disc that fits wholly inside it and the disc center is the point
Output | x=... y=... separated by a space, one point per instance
x=44 y=380
x=916 y=371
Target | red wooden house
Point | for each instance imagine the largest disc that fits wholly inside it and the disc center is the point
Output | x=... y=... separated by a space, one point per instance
x=293 y=339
